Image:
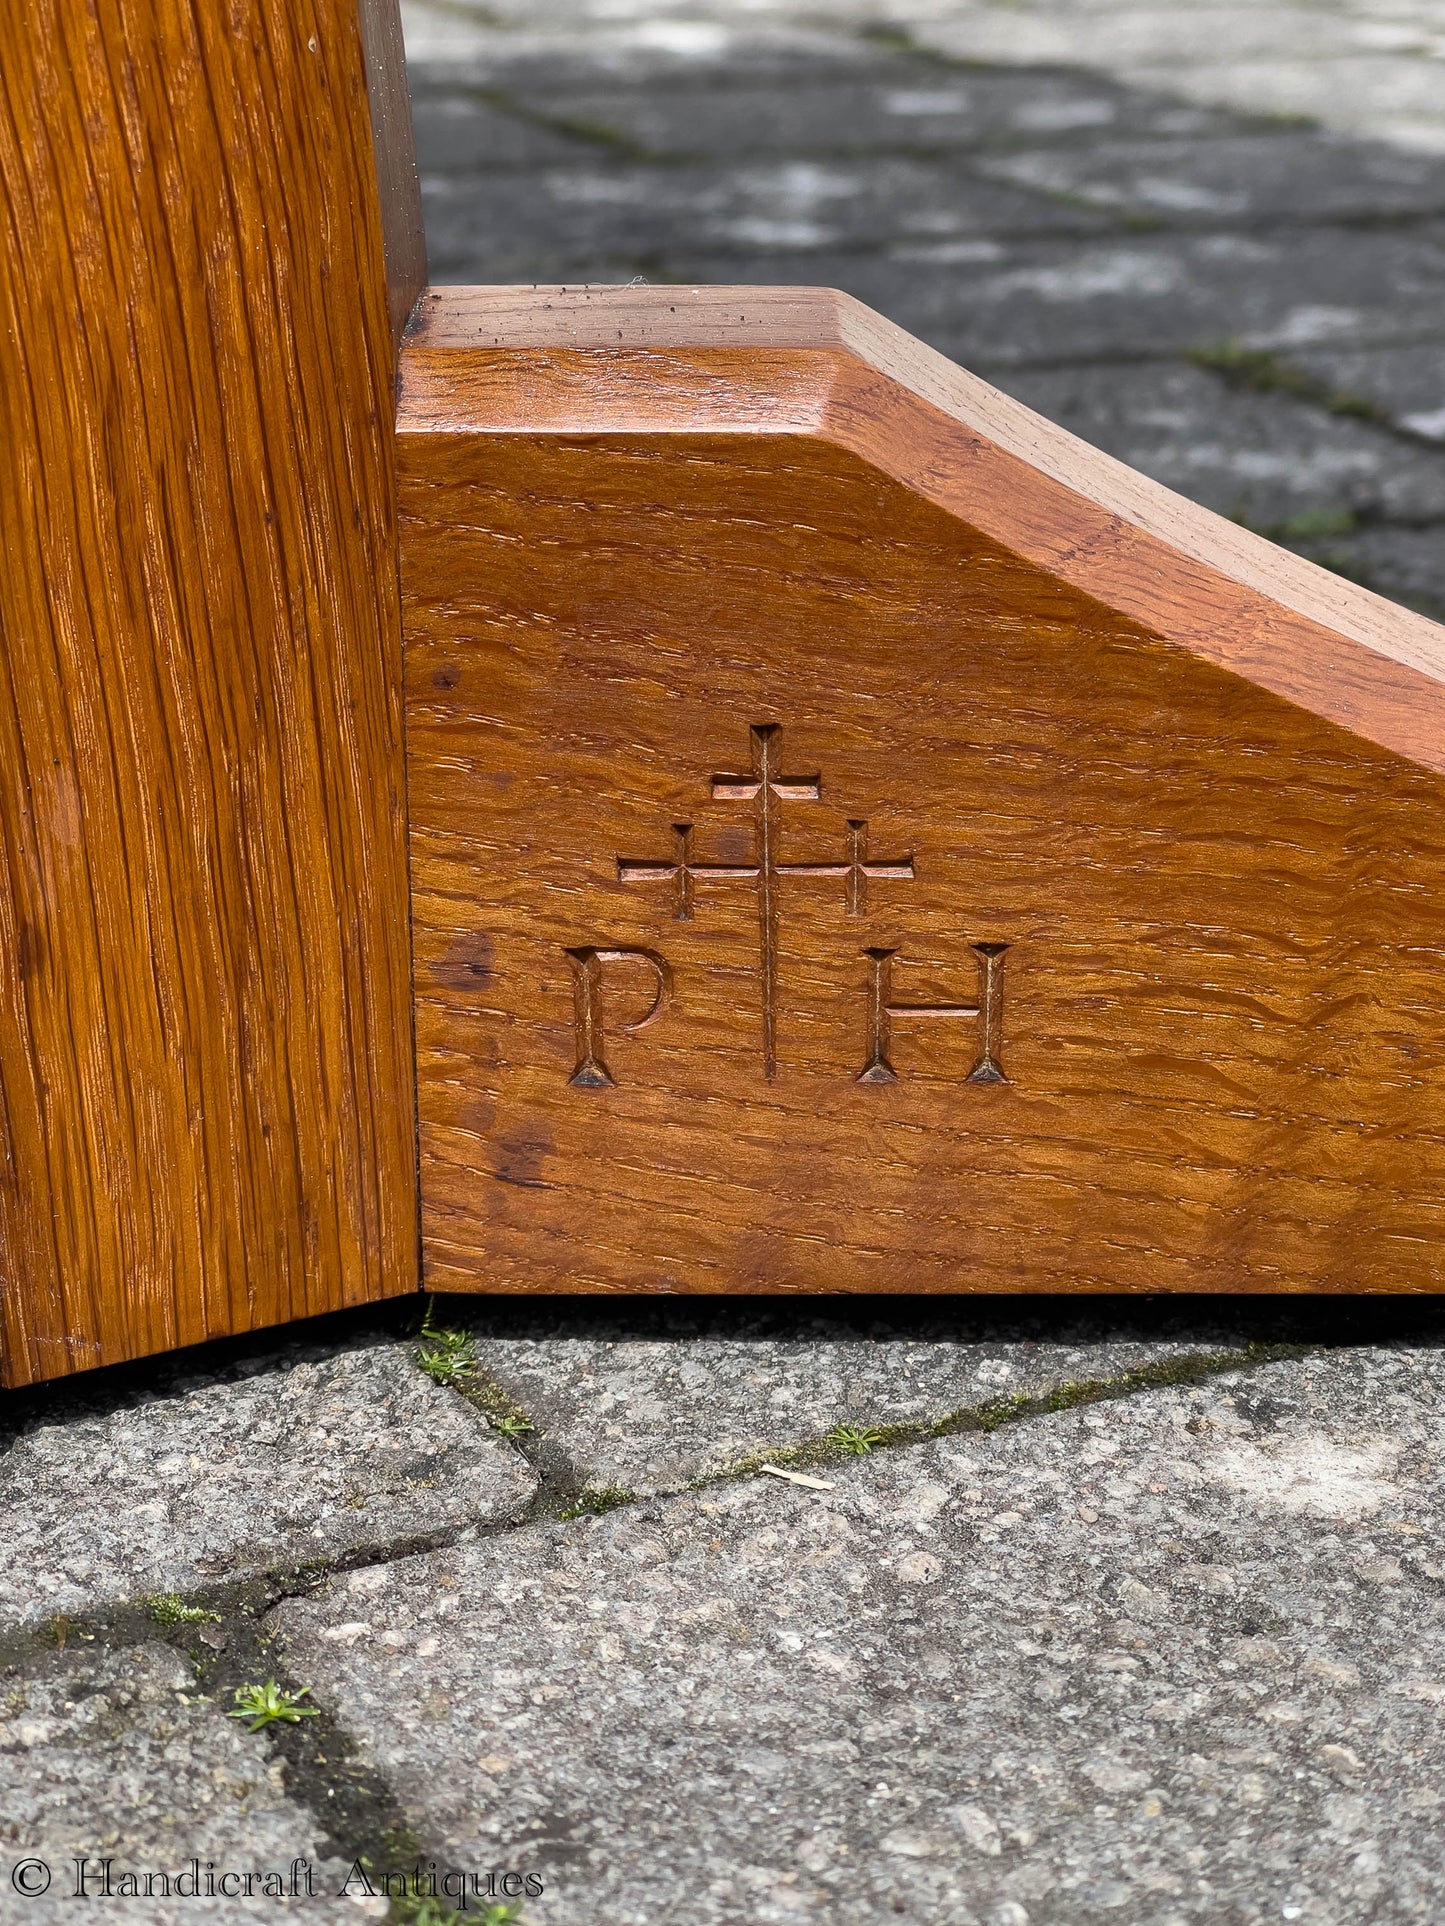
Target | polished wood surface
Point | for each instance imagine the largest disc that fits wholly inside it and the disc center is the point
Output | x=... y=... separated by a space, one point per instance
x=863 y=839
x=403 y=235
x=204 y=1021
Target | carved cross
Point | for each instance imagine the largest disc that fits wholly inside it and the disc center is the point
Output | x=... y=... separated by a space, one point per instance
x=765 y=786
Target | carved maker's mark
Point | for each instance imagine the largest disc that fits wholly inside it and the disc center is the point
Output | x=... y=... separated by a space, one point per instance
x=766 y=787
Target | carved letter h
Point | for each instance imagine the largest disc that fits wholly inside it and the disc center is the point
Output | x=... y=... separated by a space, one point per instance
x=987 y=1012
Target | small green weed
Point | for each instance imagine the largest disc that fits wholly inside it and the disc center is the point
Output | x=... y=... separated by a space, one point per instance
x=856 y=1440
x=450 y=1357
x=596 y=1499
x=413 y=1909
x=166 y=1608
x=509 y=1425
x=271 y=1704
x=447 y=1357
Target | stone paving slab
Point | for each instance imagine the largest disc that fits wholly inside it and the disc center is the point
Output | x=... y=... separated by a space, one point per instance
x=669 y=1396
x=531 y=225
x=1173 y=1658
x=1407 y=383
x=1296 y=175
x=1261 y=458
x=111 y=1756
x=736 y=107
x=1000 y=303
x=284 y=1465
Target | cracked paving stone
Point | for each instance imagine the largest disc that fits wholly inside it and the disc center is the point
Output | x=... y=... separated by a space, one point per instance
x=460 y=132
x=899 y=105
x=673 y=1400
x=1260 y=458
x=523 y=226
x=288 y=1463
x=1117 y=297
x=1175 y=1658
x=1408 y=383
x=1291 y=174
x=110 y=1755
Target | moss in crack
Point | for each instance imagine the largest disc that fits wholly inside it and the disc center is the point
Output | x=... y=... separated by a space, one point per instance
x=357 y=1813
x=1193 y=1368
x=423 y=1893
x=169 y=1608
x=890 y=39
x=420 y=1908
x=62 y=1630
x=593 y=1500
x=502 y=1413
x=1260 y=371
x=448 y=1355
x=1312 y=523
x=358 y=1819
x=559 y=1481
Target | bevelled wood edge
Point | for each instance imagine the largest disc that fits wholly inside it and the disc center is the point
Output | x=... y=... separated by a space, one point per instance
x=403 y=233
x=700 y=360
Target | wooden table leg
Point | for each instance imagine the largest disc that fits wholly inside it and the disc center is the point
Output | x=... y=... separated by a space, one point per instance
x=205 y=1061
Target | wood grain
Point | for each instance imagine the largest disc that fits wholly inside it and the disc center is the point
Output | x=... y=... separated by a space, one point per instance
x=204 y=1022
x=398 y=184
x=729 y=614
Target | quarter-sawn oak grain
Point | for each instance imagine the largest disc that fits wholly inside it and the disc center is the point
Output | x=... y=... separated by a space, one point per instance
x=204 y=989
x=1183 y=790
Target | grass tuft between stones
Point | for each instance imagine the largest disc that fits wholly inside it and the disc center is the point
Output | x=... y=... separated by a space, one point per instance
x=448 y=1357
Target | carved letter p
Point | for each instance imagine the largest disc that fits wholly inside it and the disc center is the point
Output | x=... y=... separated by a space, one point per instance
x=591 y=1072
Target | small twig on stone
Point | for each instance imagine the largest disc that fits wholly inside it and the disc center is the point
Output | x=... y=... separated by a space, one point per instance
x=798 y=1478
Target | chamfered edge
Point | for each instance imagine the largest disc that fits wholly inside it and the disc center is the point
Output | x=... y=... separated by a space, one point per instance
x=814 y=360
